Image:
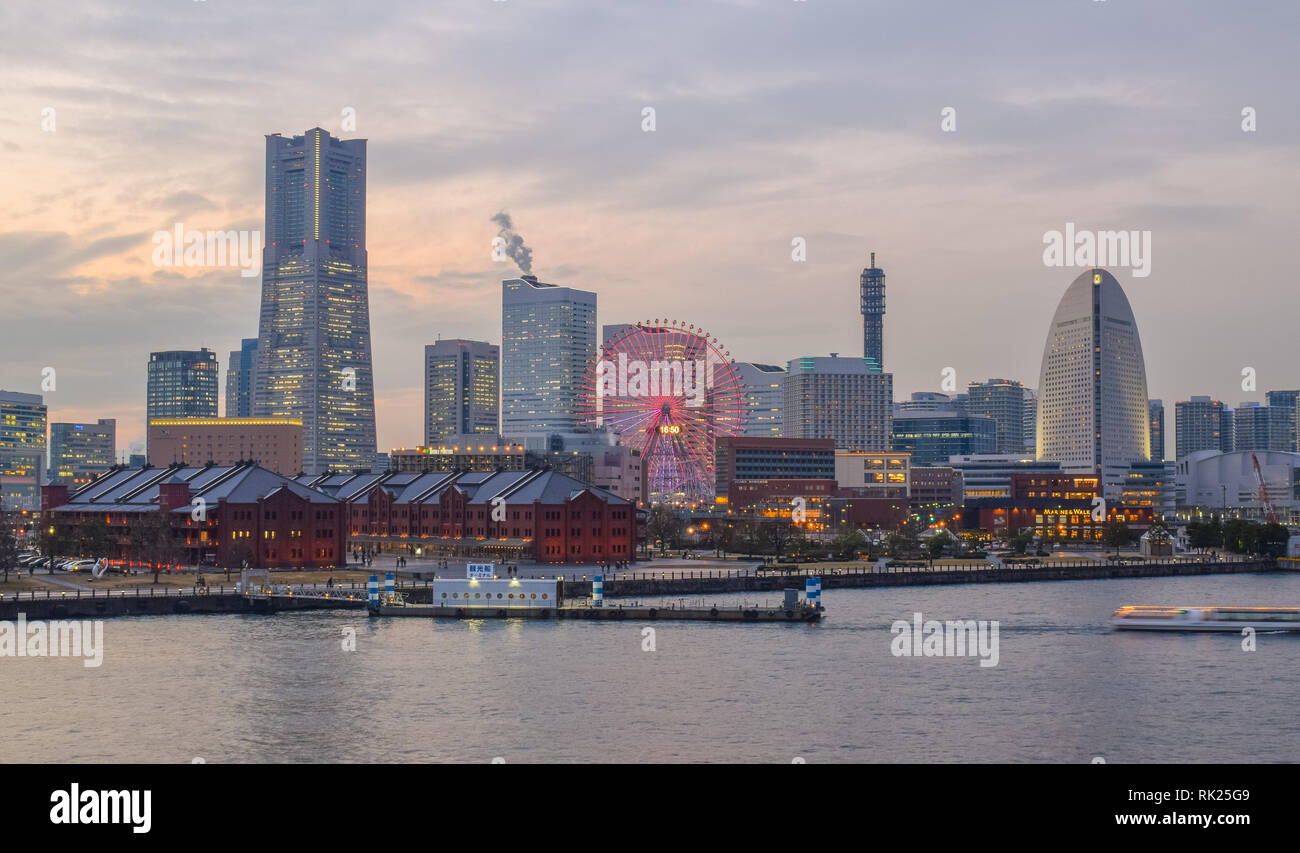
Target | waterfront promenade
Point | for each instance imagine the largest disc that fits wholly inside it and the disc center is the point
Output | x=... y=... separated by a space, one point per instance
x=673 y=580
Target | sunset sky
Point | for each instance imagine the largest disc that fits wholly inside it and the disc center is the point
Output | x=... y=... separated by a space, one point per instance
x=775 y=119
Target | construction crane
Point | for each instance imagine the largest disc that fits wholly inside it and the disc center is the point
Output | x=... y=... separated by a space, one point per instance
x=1270 y=513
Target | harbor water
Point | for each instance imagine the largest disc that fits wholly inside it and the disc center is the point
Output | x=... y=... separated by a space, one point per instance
x=1066 y=687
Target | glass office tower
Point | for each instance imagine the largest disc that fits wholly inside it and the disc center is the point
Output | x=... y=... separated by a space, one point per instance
x=313 y=347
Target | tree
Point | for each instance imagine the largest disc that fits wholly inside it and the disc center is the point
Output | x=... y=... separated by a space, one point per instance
x=151 y=540
x=848 y=540
x=1158 y=533
x=56 y=539
x=1020 y=542
x=1273 y=539
x=8 y=544
x=905 y=540
x=664 y=526
x=1202 y=535
x=93 y=537
x=778 y=535
x=1116 y=535
x=1241 y=536
x=936 y=545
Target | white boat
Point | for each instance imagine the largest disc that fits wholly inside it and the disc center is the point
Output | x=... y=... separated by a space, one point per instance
x=1144 y=618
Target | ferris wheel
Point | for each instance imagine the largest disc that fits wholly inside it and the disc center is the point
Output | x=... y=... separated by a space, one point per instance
x=667 y=389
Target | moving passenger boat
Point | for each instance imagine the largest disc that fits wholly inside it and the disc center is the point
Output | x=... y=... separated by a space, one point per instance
x=1144 y=618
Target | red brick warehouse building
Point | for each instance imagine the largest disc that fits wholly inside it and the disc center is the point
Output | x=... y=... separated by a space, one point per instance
x=511 y=516
x=213 y=515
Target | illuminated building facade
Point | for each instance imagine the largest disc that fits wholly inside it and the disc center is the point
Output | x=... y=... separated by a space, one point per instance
x=1092 y=395
x=538 y=515
x=240 y=371
x=934 y=437
x=274 y=443
x=22 y=450
x=313 y=348
x=461 y=390
x=548 y=342
x=844 y=399
x=1005 y=401
x=79 y=452
x=250 y=514
x=182 y=384
x=1057 y=507
x=739 y=459
x=1156 y=413
x=763 y=398
x=461 y=456
x=1202 y=423
x=875 y=475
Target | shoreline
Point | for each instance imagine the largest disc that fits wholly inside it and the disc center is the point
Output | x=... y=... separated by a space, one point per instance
x=106 y=603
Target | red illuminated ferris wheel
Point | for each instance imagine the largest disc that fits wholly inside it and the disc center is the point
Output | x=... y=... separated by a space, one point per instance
x=668 y=390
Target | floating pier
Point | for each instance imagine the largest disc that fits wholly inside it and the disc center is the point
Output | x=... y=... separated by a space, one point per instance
x=530 y=598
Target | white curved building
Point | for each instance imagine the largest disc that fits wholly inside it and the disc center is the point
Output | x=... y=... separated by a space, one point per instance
x=1092 y=390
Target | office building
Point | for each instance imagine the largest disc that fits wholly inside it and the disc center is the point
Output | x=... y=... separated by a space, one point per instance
x=1092 y=395
x=930 y=401
x=465 y=453
x=275 y=444
x=23 y=420
x=843 y=399
x=182 y=384
x=1003 y=400
x=763 y=398
x=1257 y=427
x=461 y=390
x=934 y=437
x=239 y=379
x=873 y=475
x=313 y=346
x=548 y=342
x=80 y=452
x=1156 y=414
x=989 y=475
x=1201 y=424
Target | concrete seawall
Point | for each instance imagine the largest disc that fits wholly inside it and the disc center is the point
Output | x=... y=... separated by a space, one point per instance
x=100 y=606
x=103 y=607
x=774 y=582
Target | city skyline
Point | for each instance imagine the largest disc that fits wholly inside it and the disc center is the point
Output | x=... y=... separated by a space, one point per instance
x=669 y=220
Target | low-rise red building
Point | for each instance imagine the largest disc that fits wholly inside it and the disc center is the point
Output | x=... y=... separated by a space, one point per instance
x=539 y=516
x=220 y=515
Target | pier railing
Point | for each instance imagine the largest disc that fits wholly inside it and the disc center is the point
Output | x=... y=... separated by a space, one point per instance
x=356 y=590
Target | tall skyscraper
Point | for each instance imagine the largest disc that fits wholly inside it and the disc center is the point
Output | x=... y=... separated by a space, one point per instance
x=22 y=450
x=1092 y=403
x=1003 y=400
x=872 y=286
x=1156 y=413
x=845 y=399
x=763 y=398
x=548 y=341
x=1201 y=424
x=313 y=346
x=239 y=379
x=80 y=451
x=182 y=384
x=461 y=390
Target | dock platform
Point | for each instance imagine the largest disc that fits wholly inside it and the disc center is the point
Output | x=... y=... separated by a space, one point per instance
x=638 y=613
